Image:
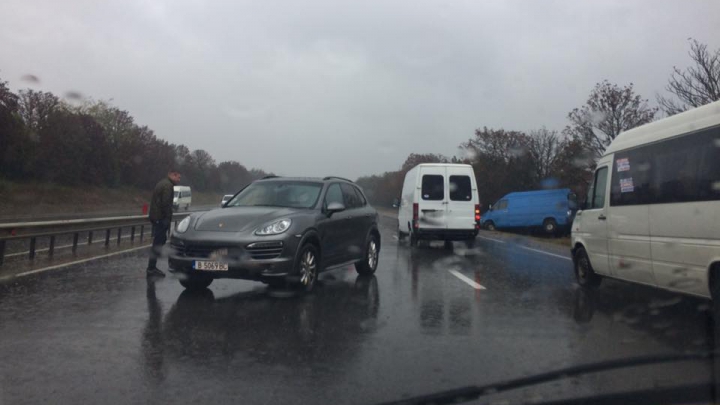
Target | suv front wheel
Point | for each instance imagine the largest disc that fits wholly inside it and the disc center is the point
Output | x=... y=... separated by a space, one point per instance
x=369 y=262
x=307 y=267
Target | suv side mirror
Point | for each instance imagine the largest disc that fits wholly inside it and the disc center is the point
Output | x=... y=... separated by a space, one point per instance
x=334 y=207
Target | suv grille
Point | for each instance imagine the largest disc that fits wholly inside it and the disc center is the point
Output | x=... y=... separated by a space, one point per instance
x=265 y=250
x=195 y=251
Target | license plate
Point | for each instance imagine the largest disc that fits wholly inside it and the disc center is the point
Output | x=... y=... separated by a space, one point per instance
x=211 y=266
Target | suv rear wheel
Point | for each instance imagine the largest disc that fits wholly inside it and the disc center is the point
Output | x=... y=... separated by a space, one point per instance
x=369 y=262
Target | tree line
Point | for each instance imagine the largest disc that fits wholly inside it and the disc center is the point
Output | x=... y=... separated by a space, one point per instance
x=509 y=160
x=44 y=138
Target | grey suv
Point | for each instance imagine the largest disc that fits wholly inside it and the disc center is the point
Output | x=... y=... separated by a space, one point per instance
x=280 y=231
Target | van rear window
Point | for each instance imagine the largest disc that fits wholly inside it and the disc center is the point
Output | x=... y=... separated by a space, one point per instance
x=460 y=188
x=433 y=187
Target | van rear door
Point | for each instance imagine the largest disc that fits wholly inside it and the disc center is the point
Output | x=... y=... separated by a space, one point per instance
x=432 y=204
x=462 y=193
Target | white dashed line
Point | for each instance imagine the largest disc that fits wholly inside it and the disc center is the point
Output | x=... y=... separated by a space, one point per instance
x=467 y=280
x=546 y=253
x=492 y=239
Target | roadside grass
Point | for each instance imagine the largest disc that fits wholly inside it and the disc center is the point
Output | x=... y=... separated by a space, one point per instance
x=34 y=199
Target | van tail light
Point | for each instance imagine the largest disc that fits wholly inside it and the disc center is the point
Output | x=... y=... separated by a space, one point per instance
x=416 y=211
x=477 y=213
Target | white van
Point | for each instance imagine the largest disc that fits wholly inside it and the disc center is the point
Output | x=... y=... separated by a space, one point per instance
x=652 y=214
x=182 y=197
x=439 y=201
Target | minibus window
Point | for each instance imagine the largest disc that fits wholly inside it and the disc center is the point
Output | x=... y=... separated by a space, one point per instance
x=460 y=188
x=600 y=186
x=433 y=188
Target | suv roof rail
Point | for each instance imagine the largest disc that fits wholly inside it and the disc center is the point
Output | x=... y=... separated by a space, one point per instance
x=272 y=176
x=337 y=178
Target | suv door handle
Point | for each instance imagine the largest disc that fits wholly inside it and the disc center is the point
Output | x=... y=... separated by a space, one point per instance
x=602 y=217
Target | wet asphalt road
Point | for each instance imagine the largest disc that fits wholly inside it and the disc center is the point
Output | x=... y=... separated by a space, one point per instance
x=100 y=333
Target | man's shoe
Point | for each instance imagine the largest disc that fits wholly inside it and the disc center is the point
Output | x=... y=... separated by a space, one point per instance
x=155 y=272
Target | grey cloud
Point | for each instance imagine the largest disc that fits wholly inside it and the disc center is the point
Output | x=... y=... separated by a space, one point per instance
x=271 y=83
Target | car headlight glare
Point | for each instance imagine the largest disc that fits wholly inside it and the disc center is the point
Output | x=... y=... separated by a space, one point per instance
x=274 y=228
x=183 y=225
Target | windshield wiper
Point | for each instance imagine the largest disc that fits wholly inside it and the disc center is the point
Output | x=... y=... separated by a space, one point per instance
x=686 y=394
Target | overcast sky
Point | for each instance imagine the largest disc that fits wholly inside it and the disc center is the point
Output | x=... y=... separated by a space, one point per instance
x=339 y=87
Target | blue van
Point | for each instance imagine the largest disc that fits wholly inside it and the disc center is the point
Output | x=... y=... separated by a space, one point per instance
x=550 y=209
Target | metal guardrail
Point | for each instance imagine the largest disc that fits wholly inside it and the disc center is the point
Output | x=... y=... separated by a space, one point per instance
x=53 y=229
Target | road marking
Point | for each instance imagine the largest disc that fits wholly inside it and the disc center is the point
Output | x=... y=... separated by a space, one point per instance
x=59 y=266
x=544 y=252
x=492 y=239
x=467 y=280
x=58 y=247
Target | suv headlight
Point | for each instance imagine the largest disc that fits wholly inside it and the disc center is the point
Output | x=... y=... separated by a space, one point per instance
x=274 y=228
x=183 y=225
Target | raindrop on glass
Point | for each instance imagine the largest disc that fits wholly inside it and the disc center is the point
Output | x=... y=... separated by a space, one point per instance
x=596 y=117
x=73 y=95
x=30 y=79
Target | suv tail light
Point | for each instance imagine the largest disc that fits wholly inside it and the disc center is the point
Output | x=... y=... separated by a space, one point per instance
x=416 y=211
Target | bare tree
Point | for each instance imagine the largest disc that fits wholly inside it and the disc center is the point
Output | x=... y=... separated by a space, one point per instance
x=544 y=147
x=35 y=108
x=609 y=111
x=695 y=86
x=415 y=159
x=497 y=144
x=8 y=99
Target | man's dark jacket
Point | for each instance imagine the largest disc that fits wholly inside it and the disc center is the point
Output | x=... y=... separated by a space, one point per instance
x=162 y=201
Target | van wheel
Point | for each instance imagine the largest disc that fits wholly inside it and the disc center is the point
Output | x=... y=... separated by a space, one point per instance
x=401 y=235
x=550 y=226
x=490 y=226
x=584 y=273
x=715 y=291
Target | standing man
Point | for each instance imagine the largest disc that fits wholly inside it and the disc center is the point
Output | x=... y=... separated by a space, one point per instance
x=161 y=217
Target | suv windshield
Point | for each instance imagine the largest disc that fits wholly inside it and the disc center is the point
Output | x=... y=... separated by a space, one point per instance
x=278 y=194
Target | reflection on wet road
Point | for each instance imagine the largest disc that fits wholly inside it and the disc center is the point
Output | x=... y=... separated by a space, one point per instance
x=100 y=333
